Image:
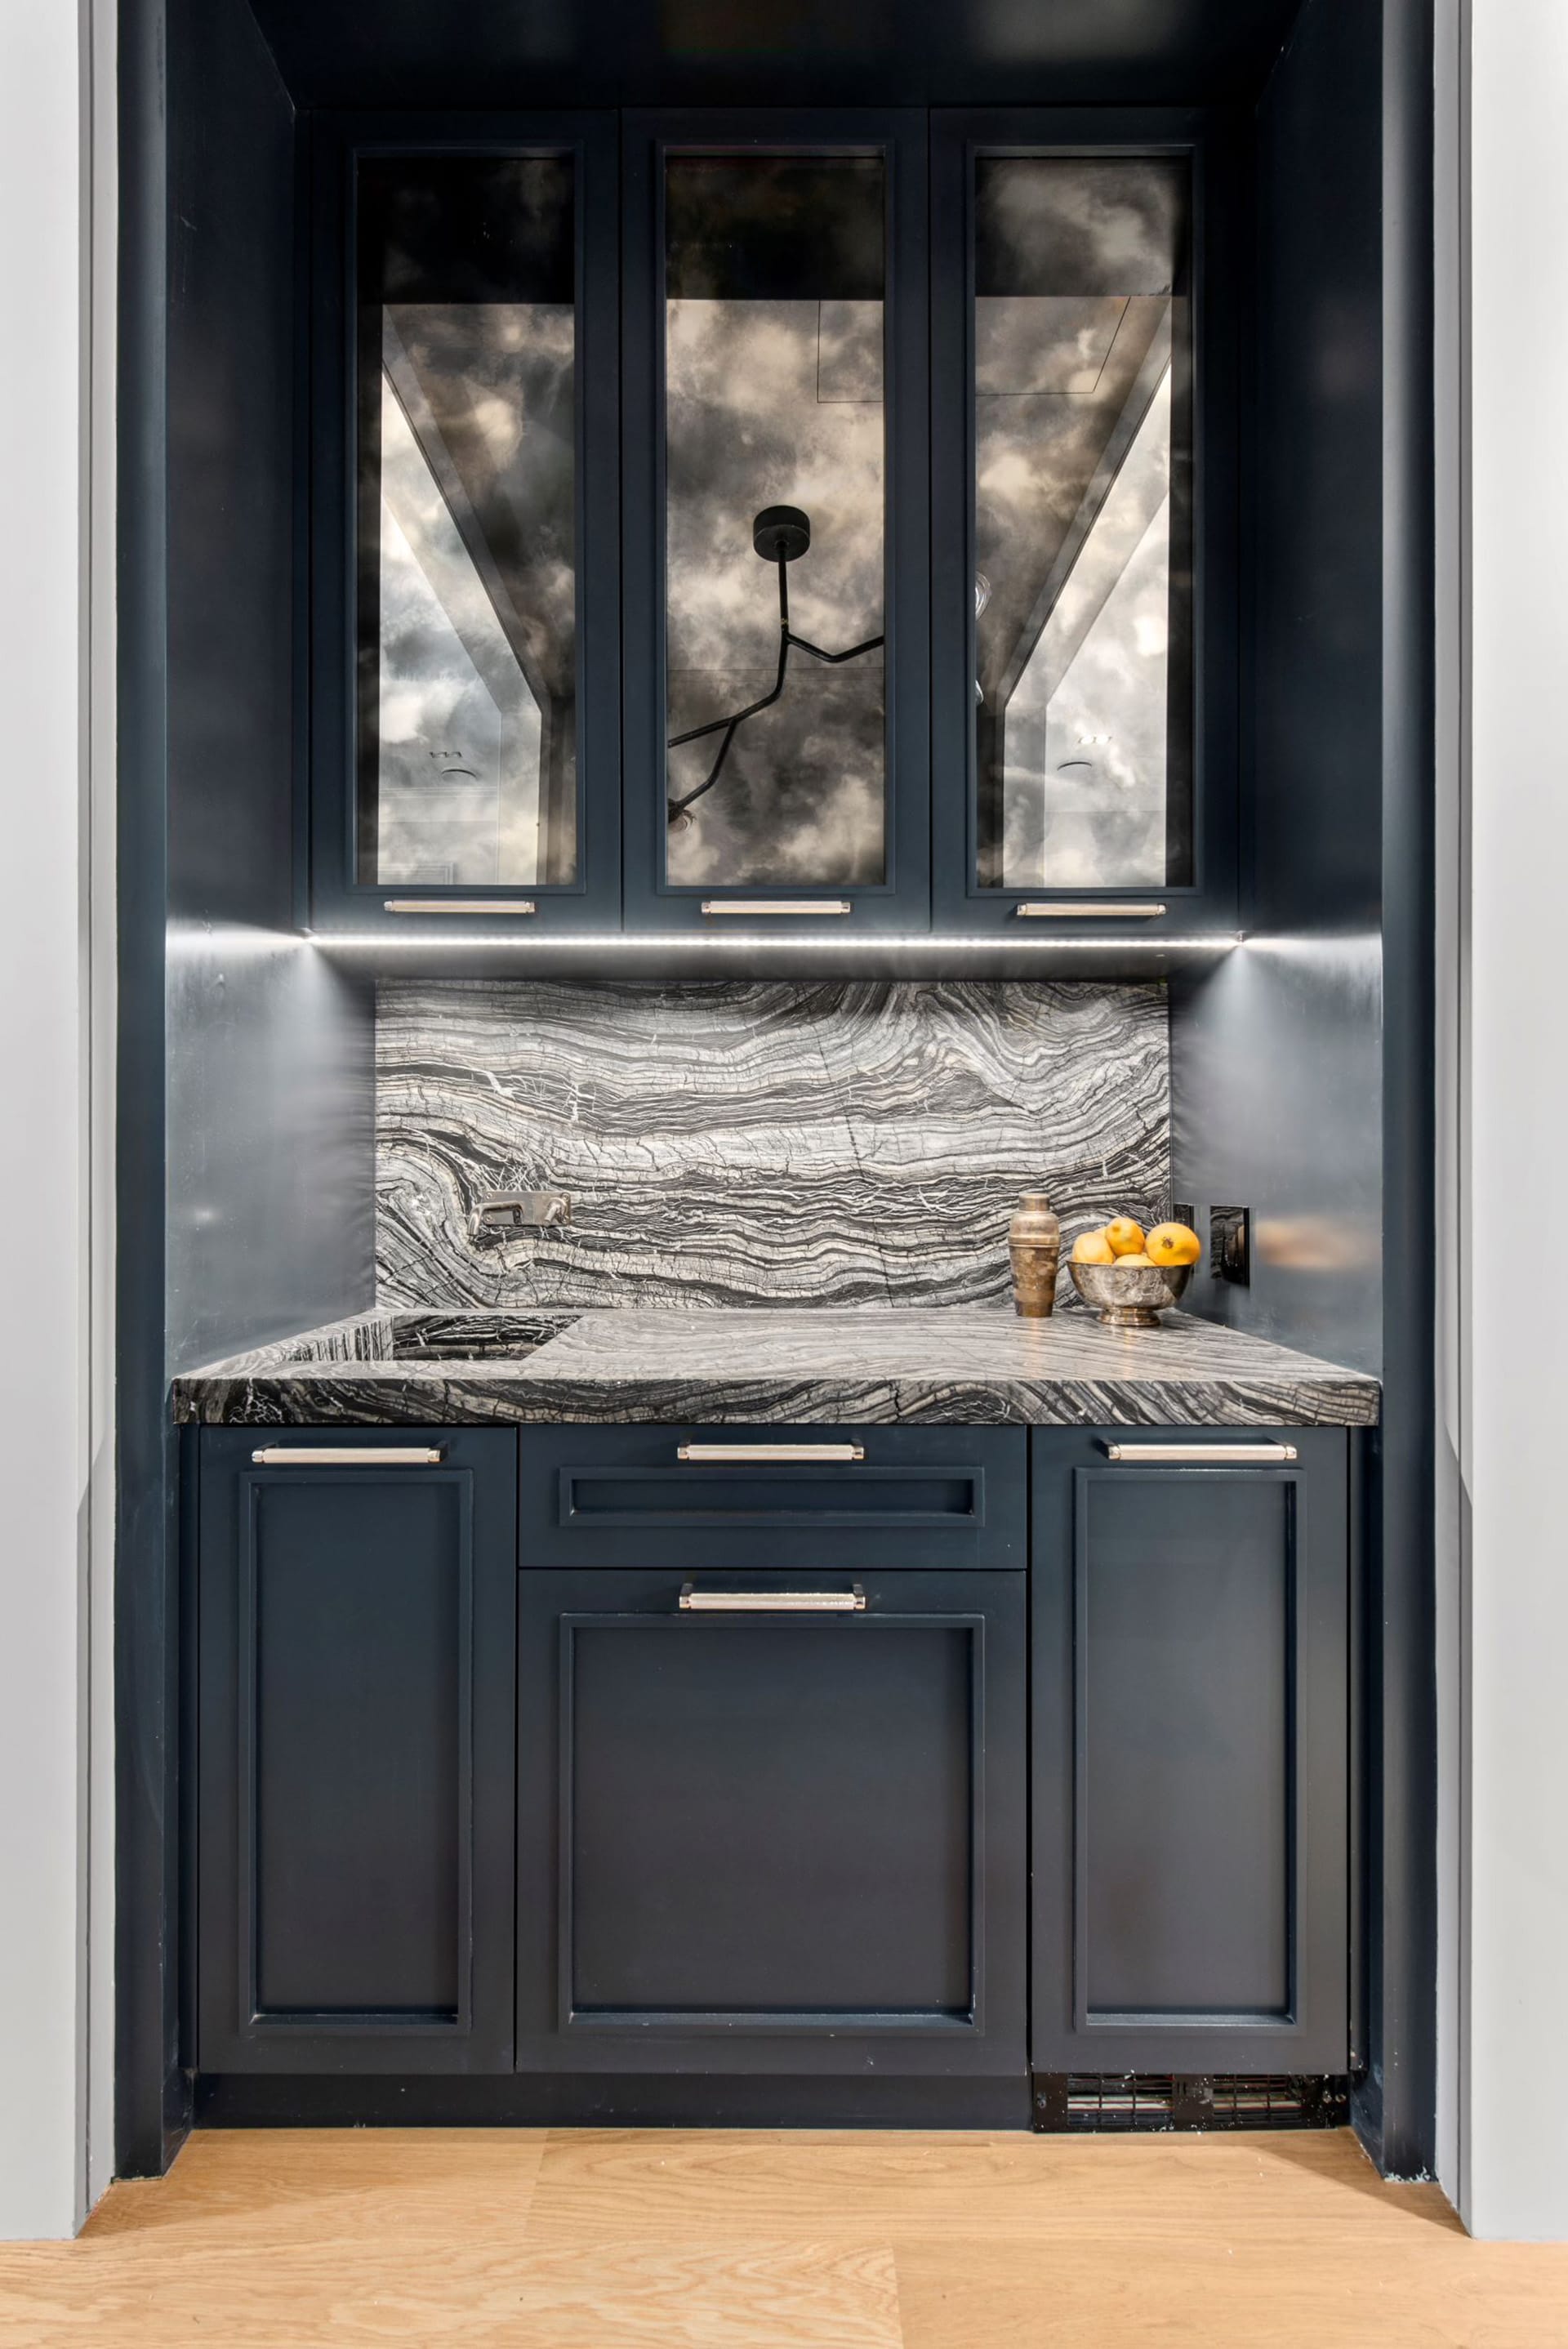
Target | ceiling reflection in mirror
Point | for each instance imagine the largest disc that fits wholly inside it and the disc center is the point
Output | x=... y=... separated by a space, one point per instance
x=1083 y=591
x=775 y=718
x=467 y=599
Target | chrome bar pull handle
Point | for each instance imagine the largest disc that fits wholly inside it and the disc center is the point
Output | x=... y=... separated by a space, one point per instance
x=505 y=906
x=1201 y=1456
x=770 y=905
x=773 y=1602
x=1066 y=910
x=726 y=1454
x=347 y=1455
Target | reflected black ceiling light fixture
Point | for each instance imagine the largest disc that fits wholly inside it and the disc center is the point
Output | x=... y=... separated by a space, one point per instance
x=780 y=534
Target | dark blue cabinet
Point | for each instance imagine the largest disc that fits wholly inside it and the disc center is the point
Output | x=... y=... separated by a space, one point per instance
x=465 y=719
x=771 y=1750
x=769 y=523
x=771 y=1822
x=776 y=469
x=1190 y=1739
x=355 y=1597
x=1084 y=523
x=784 y=1498
x=719 y=1751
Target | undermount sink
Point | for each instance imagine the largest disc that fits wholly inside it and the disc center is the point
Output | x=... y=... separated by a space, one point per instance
x=480 y=1336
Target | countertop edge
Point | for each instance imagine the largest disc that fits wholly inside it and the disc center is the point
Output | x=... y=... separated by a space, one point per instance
x=465 y=1395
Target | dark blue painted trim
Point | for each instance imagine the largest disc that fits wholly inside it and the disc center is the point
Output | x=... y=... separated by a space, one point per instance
x=1395 y=2109
x=605 y=2100
x=152 y=2102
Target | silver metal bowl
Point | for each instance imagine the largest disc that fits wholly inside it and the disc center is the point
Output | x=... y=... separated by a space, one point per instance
x=1130 y=1297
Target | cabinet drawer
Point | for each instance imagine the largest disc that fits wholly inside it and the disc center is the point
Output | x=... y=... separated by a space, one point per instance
x=779 y=1834
x=705 y=1496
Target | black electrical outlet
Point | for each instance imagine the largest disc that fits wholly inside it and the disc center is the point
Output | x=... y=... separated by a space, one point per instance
x=1184 y=1211
x=1230 y=1244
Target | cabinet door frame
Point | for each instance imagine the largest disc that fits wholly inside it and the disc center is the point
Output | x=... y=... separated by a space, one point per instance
x=234 y=2031
x=340 y=901
x=1312 y=2035
x=987 y=2040
x=1208 y=906
x=901 y=902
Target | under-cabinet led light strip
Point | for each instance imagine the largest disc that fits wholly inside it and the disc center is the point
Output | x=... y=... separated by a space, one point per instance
x=743 y=941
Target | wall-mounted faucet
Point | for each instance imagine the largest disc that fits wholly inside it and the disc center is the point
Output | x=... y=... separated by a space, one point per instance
x=505 y=1213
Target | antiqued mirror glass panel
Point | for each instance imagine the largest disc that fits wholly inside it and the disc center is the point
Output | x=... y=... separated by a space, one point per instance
x=775 y=489
x=467 y=604
x=1083 y=582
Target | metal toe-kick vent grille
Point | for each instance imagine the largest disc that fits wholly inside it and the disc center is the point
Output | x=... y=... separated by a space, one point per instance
x=1162 y=2100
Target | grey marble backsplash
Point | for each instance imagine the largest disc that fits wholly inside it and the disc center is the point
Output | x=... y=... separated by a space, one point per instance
x=734 y=1143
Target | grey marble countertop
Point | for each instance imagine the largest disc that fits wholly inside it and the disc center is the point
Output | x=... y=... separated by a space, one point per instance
x=871 y=1365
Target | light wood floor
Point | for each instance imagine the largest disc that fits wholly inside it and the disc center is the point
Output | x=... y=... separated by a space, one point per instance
x=578 y=2239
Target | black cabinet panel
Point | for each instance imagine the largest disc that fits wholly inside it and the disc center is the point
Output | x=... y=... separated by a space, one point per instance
x=354 y=1766
x=1191 y=1758
x=771 y=1842
x=729 y=1744
x=916 y=1496
x=1185 y=1681
x=354 y=1752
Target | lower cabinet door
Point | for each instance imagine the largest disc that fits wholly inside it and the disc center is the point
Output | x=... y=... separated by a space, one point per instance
x=1191 y=1722
x=785 y=1838
x=354 y=1754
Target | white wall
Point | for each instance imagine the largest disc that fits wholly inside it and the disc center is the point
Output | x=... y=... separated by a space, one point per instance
x=55 y=1104
x=1513 y=2074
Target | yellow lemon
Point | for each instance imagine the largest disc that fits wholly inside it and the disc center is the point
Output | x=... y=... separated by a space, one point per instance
x=1093 y=1247
x=1173 y=1244
x=1126 y=1238
x=1129 y=1263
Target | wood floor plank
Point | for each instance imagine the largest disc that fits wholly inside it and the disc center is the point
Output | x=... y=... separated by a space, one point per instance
x=296 y=2186
x=1213 y=2295
x=600 y=2184
x=471 y=2293
x=777 y=2239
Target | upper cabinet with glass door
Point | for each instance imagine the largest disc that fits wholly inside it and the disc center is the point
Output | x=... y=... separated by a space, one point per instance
x=775 y=424
x=479 y=739
x=1085 y=768
x=712 y=534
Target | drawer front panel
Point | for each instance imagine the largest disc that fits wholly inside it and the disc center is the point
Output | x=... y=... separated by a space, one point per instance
x=887 y=1497
x=771 y=1841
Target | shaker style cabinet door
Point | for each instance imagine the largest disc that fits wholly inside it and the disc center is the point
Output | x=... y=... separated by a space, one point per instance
x=1191 y=1751
x=775 y=470
x=355 y=1756
x=771 y=1823
x=466 y=723
x=1083 y=669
